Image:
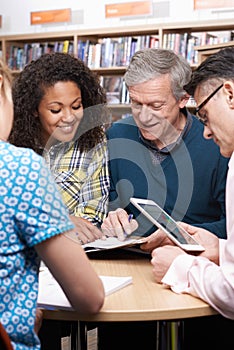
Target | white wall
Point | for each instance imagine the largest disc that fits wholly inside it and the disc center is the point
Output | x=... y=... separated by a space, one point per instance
x=91 y=14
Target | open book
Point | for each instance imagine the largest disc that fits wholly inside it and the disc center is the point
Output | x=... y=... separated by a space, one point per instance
x=52 y=297
x=111 y=243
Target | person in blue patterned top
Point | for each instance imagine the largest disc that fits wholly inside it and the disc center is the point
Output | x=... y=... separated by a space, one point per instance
x=35 y=226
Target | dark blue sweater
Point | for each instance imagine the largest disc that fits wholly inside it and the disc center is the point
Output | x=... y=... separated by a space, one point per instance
x=189 y=184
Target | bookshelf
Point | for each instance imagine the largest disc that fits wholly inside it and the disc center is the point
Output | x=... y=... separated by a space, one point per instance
x=185 y=41
x=108 y=50
x=207 y=50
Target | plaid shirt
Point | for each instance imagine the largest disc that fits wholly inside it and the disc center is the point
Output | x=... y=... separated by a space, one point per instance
x=83 y=178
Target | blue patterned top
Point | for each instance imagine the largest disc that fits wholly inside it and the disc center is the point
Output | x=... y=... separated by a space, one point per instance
x=31 y=211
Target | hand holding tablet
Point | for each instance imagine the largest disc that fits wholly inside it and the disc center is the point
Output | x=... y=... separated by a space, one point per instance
x=165 y=222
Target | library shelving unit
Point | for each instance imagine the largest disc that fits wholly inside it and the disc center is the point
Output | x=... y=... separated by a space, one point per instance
x=207 y=50
x=108 y=50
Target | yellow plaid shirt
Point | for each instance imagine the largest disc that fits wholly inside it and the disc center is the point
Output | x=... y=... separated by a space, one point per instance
x=83 y=178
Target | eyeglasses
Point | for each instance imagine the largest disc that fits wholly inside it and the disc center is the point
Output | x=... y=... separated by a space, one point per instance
x=200 y=117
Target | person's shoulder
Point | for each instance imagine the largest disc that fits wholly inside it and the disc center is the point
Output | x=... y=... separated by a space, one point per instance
x=123 y=127
x=196 y=124
x=208 y=146
x=19 y=154
x=17 y=151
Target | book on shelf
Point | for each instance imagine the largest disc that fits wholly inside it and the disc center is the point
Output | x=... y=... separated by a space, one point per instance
x=67 y=47
x=113 y=88
x=52 y=297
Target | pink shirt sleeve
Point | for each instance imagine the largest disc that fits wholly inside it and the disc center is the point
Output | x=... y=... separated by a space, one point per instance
x=200 y=277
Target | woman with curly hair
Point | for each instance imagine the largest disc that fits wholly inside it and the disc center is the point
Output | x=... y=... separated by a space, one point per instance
x=60 y=113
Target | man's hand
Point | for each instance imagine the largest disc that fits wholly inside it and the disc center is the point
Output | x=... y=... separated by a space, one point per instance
x=155 y=240
x=162 y=258
x=163 y=255
x=118 y=224
x=207 y=239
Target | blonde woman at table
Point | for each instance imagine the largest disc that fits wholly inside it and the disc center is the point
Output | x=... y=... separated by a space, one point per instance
x=35 y=226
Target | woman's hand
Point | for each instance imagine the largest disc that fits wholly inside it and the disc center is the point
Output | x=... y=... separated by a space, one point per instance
x=86 y=231
x=38 y=320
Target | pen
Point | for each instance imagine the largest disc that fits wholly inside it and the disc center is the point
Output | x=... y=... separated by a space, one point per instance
x=130 y=217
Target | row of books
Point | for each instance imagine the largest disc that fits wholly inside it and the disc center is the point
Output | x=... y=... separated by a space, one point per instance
x=185 y=43
x=113 y=52
x=17 y=57
x=107 y=52
x=116 y=52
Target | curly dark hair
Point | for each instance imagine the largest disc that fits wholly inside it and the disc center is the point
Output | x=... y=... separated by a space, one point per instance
x=29 y=88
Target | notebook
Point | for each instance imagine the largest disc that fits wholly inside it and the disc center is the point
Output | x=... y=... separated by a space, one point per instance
x=111 y=243
x=52 y=297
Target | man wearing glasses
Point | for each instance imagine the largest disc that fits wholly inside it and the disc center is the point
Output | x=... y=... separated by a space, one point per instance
x=210 y=274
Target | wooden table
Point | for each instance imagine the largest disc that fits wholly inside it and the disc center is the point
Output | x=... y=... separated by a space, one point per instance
x=143 y=300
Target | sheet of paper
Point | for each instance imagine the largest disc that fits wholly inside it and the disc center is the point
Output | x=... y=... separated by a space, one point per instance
x=51 y=295
x=111 y=243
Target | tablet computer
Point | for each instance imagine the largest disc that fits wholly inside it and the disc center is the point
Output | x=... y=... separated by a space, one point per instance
x=164 y=221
